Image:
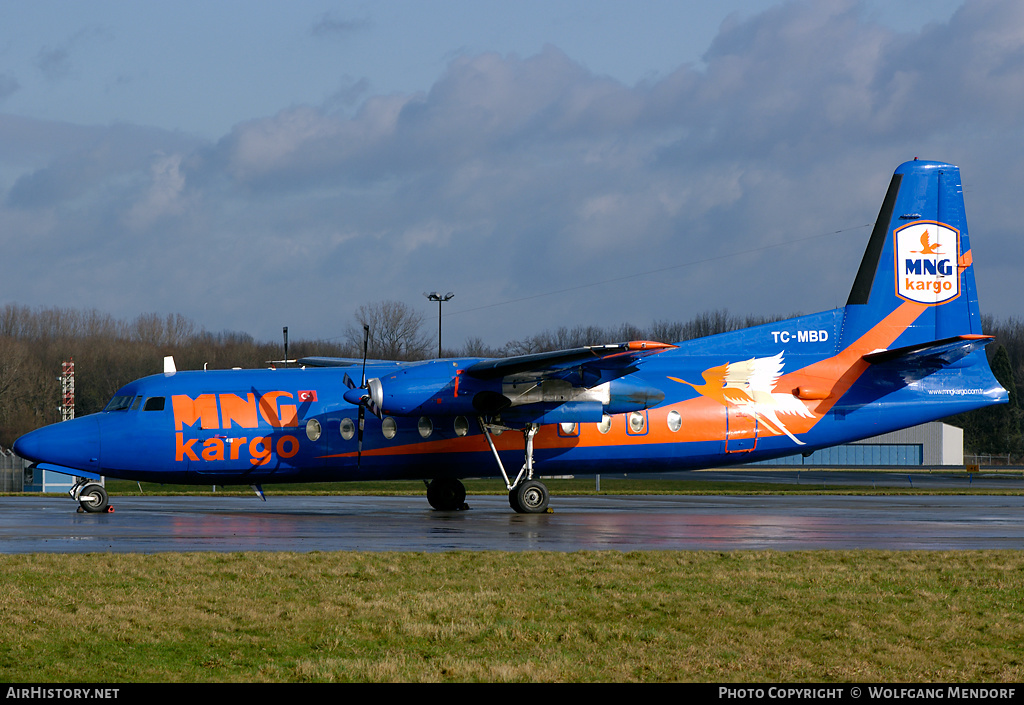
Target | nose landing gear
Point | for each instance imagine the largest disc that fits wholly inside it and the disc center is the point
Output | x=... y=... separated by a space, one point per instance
x=92 y=497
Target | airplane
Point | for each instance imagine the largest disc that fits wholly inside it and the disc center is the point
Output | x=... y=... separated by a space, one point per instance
x=905 y=349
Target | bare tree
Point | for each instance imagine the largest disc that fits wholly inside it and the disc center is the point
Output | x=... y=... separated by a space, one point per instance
x=28 y=396
x=475 y=347
x=172 y=330
x=394 y=331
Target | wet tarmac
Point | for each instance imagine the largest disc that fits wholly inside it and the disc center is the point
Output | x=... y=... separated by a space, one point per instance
x=623 y=523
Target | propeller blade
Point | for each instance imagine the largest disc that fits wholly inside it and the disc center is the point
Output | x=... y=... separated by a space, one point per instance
x=361 y=396
x=359 y=443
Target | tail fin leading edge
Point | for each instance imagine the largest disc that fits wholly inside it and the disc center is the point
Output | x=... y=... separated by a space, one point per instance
x=918 y=257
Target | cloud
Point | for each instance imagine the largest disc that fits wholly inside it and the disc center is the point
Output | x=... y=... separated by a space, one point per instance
x=326 y=25
x=164 y=195
x=93 y=163
x=54 y=63
x=8 y=85
x=514 y=176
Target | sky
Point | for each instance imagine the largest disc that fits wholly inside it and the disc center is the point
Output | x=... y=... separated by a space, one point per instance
x=255 y=164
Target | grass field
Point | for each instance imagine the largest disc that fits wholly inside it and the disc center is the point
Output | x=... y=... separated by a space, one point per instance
x=829 y=616
x=648 y=616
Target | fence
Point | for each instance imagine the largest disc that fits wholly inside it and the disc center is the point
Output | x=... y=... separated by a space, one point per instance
x=986 y=459
x=12 y=472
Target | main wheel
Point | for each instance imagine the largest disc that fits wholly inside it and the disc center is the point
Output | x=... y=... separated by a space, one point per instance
x=531 y=497
x=93 y=498
x=513 y=501
x=446 y=495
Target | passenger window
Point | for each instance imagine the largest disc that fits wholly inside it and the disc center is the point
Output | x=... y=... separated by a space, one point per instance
x=154 y=404
x=637 y=424
x=425 y=426
x=675 y=421
x=348 y=429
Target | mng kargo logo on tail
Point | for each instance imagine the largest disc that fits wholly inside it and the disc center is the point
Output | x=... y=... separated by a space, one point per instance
x=927 y=254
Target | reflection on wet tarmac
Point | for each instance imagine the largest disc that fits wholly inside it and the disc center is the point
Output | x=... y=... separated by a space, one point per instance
x=624 y=523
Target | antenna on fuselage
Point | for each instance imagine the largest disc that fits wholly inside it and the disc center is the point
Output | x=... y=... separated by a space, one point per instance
x=366 y=347
x=274 y=363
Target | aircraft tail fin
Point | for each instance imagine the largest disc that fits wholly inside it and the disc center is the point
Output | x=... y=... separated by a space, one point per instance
x=918 y=260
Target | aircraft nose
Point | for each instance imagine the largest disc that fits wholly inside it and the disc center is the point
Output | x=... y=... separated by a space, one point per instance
x=73 y=444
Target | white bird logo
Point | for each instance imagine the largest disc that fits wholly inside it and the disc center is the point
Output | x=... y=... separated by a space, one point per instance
x=750 y=387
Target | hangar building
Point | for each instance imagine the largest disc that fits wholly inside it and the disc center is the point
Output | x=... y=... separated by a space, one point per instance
x=929 y=444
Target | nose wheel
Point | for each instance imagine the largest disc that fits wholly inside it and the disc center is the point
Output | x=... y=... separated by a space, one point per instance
x=92 y=498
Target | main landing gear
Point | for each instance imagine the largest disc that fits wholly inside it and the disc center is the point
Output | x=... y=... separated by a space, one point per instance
x=525 y=495
x=529 y=497
x=91 y=497
x=446 y=494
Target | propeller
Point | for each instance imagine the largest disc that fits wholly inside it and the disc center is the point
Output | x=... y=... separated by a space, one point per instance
x=364 y=396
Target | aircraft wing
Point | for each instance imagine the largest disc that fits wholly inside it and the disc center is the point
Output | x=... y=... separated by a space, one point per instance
x=582 y=383
x=316 y=361
x=617 y=357
x=320 y=361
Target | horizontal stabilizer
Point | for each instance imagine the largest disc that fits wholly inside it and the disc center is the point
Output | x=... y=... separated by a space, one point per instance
x=935 y=354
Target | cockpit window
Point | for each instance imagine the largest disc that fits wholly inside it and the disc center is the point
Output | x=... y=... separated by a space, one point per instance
x=135 y=405
x=119 y=403
x=154 y=404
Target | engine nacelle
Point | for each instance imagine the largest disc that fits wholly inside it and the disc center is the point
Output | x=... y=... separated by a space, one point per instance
x=436 y=388
x=425 y=389
x=625 y=396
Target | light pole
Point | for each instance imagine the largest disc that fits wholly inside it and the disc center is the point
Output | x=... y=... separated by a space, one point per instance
x=440 y=299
